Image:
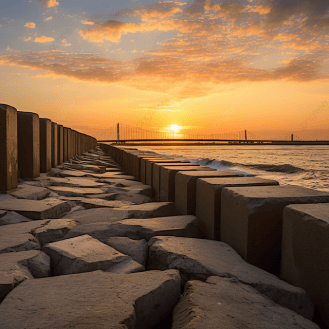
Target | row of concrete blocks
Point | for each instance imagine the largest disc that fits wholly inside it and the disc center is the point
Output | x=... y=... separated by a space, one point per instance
x=281 y=229
x=30 y=145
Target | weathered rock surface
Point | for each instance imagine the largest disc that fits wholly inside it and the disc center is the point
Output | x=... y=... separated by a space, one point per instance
x=25 y=191
x=53 y=230
x=227 y=303
x=18 y=237
x=133 y=198
x=73 y=191
x=89 y=203
x=12 y=217
x=136 y=249
x=44 y=209
x=199 y=259
x=111 y=215
x=86 y=182
x=86 y=254
x=104 y=196
x=14 y=268
x=95 y=300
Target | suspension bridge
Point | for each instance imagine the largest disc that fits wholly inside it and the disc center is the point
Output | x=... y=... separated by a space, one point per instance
x=126 y=134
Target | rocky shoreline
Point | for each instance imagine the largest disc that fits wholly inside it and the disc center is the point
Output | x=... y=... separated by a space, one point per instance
x=87 y=246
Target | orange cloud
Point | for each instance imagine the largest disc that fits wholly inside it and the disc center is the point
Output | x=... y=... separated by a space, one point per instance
x=48 y=19
x=30 y=25
x=27 y=39
x=43 y=39
x=48 y=3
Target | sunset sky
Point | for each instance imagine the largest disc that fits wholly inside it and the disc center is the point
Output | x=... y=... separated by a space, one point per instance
x=206 y=65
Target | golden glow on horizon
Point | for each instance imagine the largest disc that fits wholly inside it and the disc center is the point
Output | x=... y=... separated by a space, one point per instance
x=175 y=128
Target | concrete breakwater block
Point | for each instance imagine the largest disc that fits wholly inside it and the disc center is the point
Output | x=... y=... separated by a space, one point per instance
x=251 y=220
x=149 y=167
x=111 y=215
x=16 y=267
x=53 y=230
x=45 y=145
x=25 y=191
x=136 y=249
x=200 y=259
x=137 y=229
x=185 y=188
x=305 y=253
x=28 y=136
x=44 y=209
x=86 y=254
x=138 y=300
x=8 y=147
x=167 y=183
x=226 y=303
x=143 y=167
x=208 y=201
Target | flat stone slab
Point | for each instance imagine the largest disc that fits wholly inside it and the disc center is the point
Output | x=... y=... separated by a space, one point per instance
x=73 y=191
x=138 y=300
x=24 y=191
x=226 y=303
x=185 y=188
x=53 y=230
x=208 y=200
x=111 y=215
x=44 y=209
x=305 y=252
x=136 y=249
x=76 y=182
x=133 y=198
x=200 y=259
x=251 y=220
x=12 y=217
x=15 y=267
x=86 y=254
x=90 y=203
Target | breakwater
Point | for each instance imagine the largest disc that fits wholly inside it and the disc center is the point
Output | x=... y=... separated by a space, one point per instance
x=30 y=145
x=280 y=229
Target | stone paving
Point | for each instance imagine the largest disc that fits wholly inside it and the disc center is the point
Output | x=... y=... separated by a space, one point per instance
x=86 y=246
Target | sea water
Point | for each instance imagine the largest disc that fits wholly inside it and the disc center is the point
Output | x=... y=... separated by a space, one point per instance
x=306 y=166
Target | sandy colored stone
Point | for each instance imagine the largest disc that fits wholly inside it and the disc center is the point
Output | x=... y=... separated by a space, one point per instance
x=89 y=203
x=133 y=198
x=14 y=269
x=25 y=191
x=226 y=303
x=43 y=209
x=200 y=259
x=305 y=252
x=73 y=191
x=12 y=217
x=167 y=182
x=85 y=254
x=251 y=220
x=138 y=300
x=208 y=200
x=136 y=249
x=53 y=230
x=185 y=188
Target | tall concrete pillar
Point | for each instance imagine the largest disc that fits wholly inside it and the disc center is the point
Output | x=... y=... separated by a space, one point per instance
x=60 y=144
x=28 y=145
x=69 y=143
x=54 y=145
x=65 y=155
x=8 y=147
x=45 y=145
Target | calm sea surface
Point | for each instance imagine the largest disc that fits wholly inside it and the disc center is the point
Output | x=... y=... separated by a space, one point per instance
x=306 y=166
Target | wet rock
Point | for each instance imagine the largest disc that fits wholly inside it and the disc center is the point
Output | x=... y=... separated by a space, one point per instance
x=95 y=300
x=14 y=270
x=12 y=217
x=136 y=249
x=86 y=254
x=227 y=303
x=200 y=258
x=25 y=191
x=53 y=230
x=44 y=209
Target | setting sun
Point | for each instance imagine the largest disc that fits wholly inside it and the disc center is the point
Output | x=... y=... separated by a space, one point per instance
x=175 y=128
